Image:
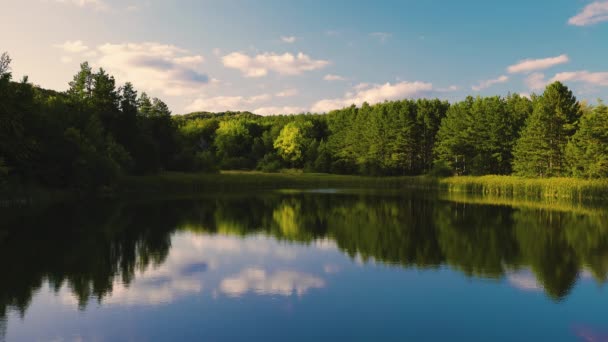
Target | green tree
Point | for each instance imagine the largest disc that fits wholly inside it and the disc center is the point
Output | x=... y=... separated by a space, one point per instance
x=540 y=151
x=292 y=142
x=81 y=87
x=587 y=151
x=233 y=141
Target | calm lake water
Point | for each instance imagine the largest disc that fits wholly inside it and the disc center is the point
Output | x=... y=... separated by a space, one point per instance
x=301 y=266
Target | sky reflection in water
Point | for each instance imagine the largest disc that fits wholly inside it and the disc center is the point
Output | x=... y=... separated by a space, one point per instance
x=302 y=266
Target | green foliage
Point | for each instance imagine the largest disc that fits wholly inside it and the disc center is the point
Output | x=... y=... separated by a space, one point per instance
x=587 y=151
x=270 y=163
x=522 y=187
x=98 y=132
x=477 y=135
x=441 y=169
x=540 y=152
x=84 y=138
x=292 y=142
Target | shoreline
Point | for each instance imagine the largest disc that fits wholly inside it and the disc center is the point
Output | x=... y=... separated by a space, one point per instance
x=171 y=183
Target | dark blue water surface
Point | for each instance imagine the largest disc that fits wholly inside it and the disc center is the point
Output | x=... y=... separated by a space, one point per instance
x=302 y=266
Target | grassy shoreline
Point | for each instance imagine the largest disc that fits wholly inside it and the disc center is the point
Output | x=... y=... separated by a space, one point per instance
x=247 y=180
x=529 y=188
x=495 y=186
x=171 y=183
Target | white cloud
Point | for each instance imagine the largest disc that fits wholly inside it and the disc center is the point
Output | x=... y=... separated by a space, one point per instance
x=488 y=83
x=283 y=283
x=75 y=46
x=448 y=89
x=382 y=36
x=99 y=5
x=227 y=103
x=583 y=76
x=279 y=110
x=151 y=67
x=287 y=93
x=374 y=93
x=261 y=64
x=536 y=81
x=66 y=59
x=526 y=95
x=190 y=60
x=332 y=77
x=593 y=13
x=288 y=39
x=528 y=65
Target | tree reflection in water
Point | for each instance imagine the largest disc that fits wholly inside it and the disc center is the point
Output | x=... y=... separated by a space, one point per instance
x=92 y=247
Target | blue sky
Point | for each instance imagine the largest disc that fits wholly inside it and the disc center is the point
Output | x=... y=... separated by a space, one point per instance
x=292 y=56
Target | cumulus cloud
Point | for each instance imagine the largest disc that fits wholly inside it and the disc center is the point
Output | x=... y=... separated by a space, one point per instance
x=536 y=81
x=374 y=93
x=332 y=77
x=488 y=83
x=152 y=67
x=75 y=46
x=593 y=13
x=381 y=36
x=287 y=93
x=99 y=5
x=259 y=65
x=227 y=103
x=583 y=76
x=283 y=283
x=273 y=110
x=528 y=65
x=288 y=39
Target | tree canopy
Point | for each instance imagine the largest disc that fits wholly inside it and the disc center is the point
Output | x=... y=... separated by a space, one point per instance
x=96 y=131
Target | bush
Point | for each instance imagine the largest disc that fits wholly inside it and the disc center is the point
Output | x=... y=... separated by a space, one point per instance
x=205 y=162
x=270 y=163
x=441 y=170
x=342 y=166
x=236 y=163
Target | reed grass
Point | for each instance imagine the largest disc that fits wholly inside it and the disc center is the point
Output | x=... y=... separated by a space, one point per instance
x=534 y=188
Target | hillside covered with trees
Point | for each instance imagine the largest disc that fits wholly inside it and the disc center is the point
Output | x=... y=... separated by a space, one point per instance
x=96 y=131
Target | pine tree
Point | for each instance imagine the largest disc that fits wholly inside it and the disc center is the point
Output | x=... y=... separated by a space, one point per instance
x=81 y=87
x=540 y=151
x=587 y=151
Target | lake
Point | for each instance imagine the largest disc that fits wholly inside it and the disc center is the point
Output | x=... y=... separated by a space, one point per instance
x=304 y=265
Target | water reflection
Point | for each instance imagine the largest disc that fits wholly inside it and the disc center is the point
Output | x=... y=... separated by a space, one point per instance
x=259 y=281
x=150 y=253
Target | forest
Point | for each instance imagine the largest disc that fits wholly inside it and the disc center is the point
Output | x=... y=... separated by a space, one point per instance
x=98 y=131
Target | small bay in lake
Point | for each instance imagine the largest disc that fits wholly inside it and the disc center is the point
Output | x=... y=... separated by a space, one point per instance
x=304 y=265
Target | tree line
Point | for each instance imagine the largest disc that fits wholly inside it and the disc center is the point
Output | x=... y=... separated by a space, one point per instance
x=96 y=131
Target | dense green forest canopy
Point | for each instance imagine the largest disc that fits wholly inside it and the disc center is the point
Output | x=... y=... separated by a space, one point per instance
x=97 y=131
